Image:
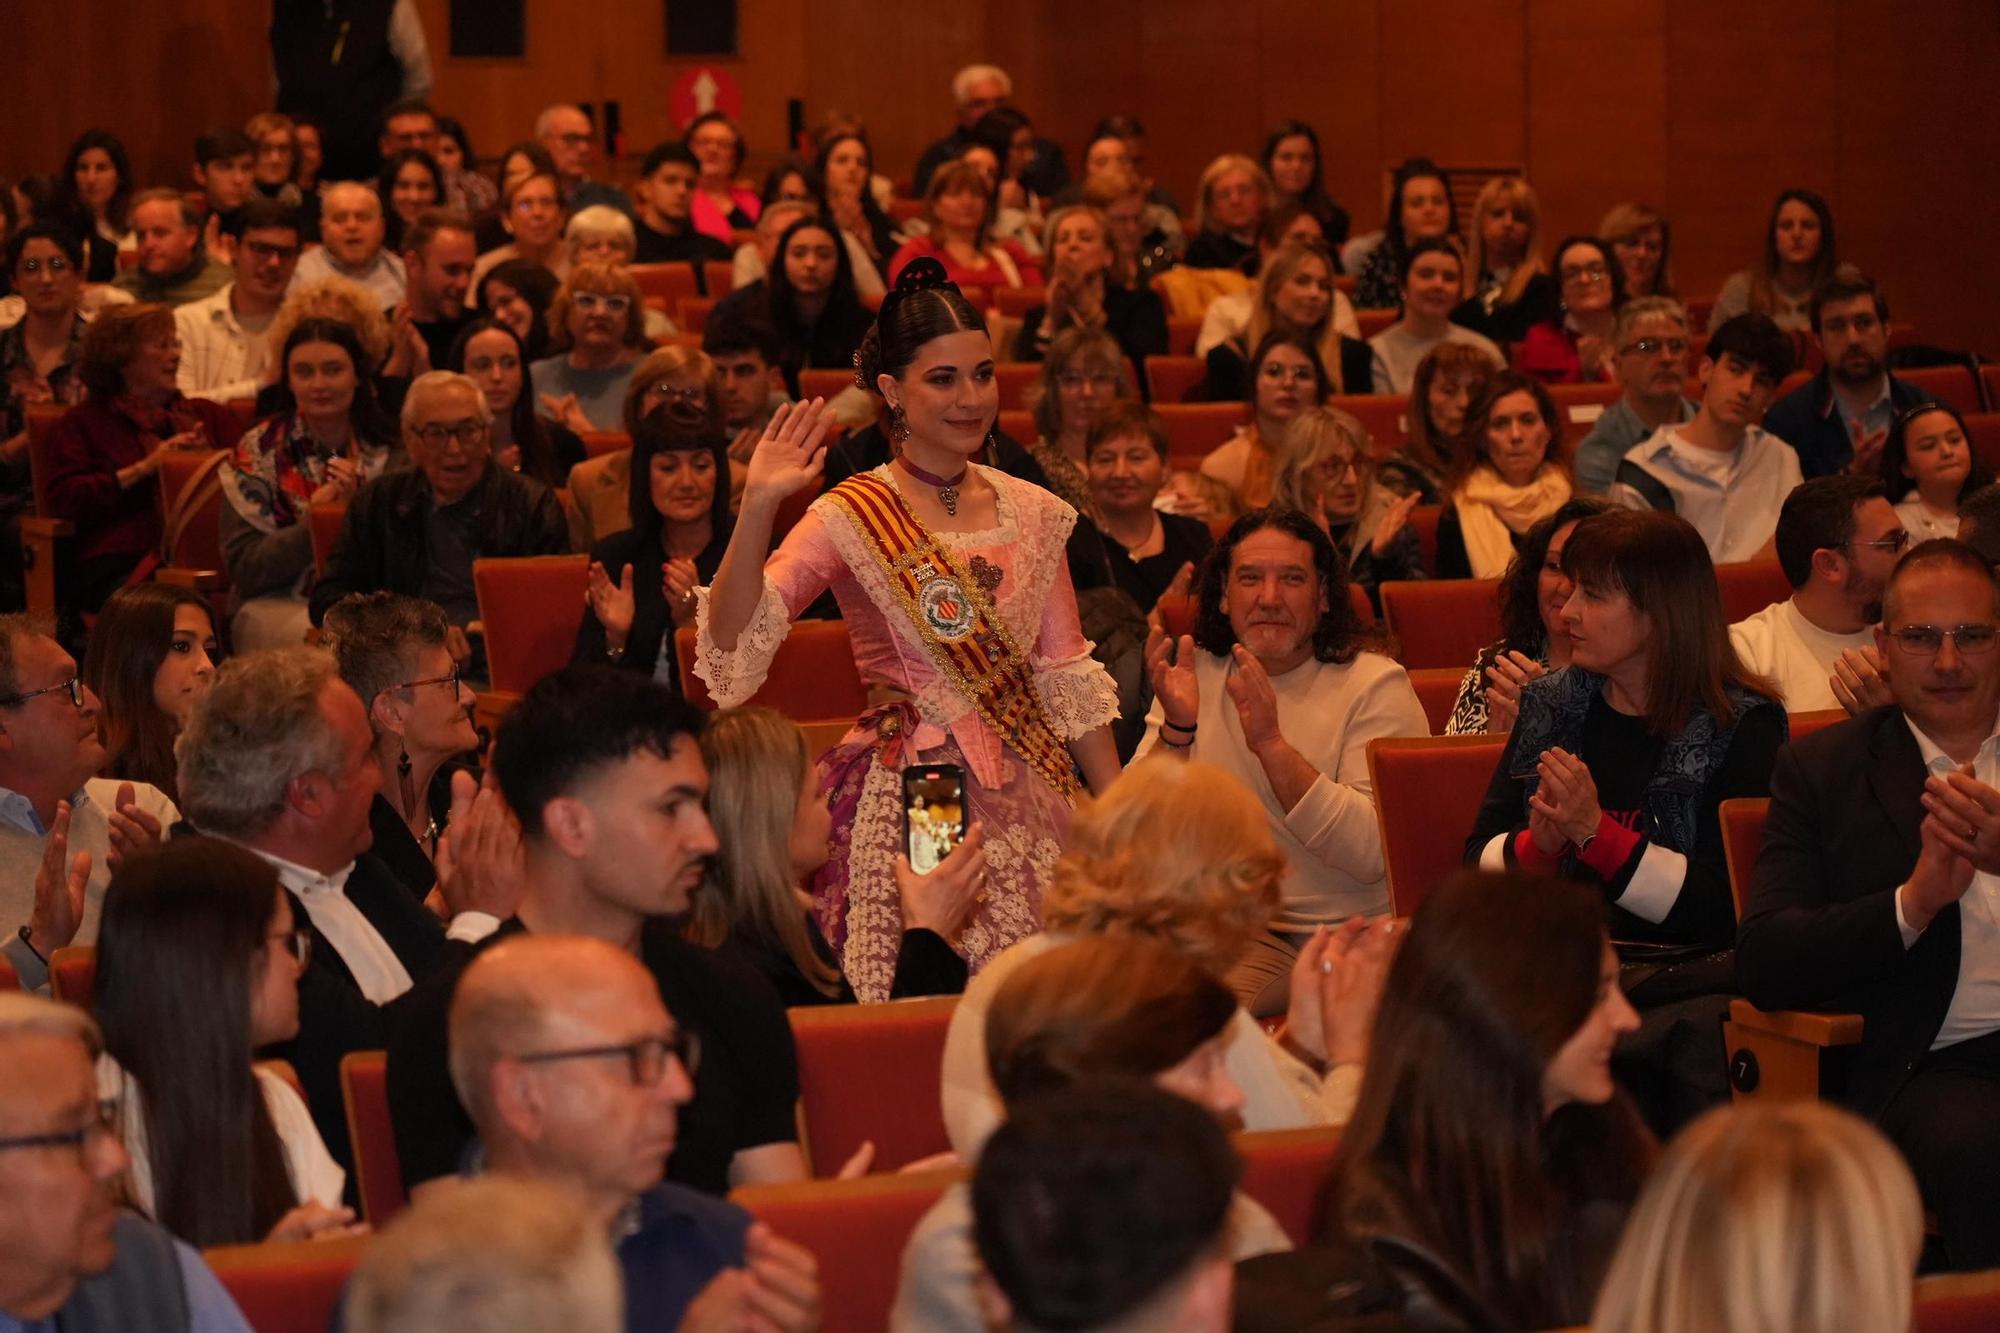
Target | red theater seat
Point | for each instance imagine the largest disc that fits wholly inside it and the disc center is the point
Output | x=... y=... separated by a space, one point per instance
x=1427 y=795
x=1441 y=622
x=870 y=1073
x=1286 y=1170
x=378 y=1170
x=288 y=1287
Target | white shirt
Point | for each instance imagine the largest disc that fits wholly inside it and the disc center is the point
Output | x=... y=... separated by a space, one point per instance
x=383 y=275
x=315 y=1176
x=1975 y=1003
x=1923 y=522
x=220 y=359
x=380 y=974
x=1328 y=713
x=1399 y=349
x=23 y=839
x=1731 y=498
x=1796 y=655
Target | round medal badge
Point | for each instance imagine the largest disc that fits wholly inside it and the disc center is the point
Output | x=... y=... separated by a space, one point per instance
x=947 y=609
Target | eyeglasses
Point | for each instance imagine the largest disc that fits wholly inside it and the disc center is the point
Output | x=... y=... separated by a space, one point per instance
x=1288 y=374
x=264 y=250
x=54 y=264
x=1895 y=541
x=1584 y=273
x=646 y=1057
x=1333 y=469
x=1925 y=640
x=297 y=942
x=574 y=139
x=1653 y=346
x=450 y=681
x=668 y=390
x=436 y=434
x=102 y=1124
x=591 y=301
x=73 y=687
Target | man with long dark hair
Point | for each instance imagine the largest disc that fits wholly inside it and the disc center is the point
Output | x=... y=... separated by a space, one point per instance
x=1276 y=686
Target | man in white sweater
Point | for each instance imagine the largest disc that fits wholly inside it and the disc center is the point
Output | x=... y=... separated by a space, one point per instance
x=56 y=818
x=1838 y=539
x=1274 y=687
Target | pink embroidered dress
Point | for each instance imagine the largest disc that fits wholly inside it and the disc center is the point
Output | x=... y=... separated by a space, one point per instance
x=1026 y=819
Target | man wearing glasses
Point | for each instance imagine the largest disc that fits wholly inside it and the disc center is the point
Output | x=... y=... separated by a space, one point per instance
x=574 y=1073
x=1839 y=420
x=70 y=1258
x=223 y=349
x=1651 y=337
x=1838 y=540
x=417 y=530
x=566 y=132
x=1878 y=890
x=56 y=816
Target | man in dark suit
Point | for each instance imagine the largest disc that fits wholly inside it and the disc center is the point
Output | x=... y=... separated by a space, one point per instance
x=278 y=757
x=1878 y=890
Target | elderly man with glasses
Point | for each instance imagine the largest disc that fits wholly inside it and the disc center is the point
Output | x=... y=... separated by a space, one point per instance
x=417 y=531
x=1838 y=540
x=1650 y=359
x=70 y=1257
x=1877 y=891
x=58 y=820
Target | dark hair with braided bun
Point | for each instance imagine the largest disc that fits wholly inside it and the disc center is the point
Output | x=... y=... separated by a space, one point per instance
x=924 y=304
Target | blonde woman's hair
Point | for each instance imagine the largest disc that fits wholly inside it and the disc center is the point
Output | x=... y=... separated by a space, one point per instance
x=1310 y=439
x=1277 y=271
x=1515 y=192
x=1175 y=850
x=757 y=763
x=605 y=280
x=1214 y=172
x=1758 y=1218
x=337 y=299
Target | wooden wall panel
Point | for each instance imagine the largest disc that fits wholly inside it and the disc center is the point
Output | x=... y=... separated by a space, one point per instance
x=1597 y=109
x=1704 y=107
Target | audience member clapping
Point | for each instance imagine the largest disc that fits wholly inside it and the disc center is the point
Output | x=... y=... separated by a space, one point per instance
x=1081 y=294
x=1534 y=637
x=395 y=654
x=1326 y=471
x=1491 y=1159
x=438 y=255
x=329 y=438
x=1613 y=773
x=598 y=339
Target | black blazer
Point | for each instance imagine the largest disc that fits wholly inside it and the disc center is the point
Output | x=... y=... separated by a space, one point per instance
x=334 y=1016
x=1820 y=928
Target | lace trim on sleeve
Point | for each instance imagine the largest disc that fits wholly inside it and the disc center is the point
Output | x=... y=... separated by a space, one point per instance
x=1078 y=696
x=733 y=676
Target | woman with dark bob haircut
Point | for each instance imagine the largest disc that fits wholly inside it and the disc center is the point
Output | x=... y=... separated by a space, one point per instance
x=1492 y=1158
x=1534 y=638
x=1613 y=774
x=642 y=580
x=198 y=966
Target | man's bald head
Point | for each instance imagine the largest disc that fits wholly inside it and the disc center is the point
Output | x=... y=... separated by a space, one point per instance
x=530 y=993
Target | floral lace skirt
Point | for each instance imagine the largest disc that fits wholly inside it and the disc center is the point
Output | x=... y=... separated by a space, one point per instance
x=854 y=894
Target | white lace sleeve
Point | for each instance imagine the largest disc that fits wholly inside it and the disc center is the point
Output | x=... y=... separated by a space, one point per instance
x=733 y=676
x=1078 y=695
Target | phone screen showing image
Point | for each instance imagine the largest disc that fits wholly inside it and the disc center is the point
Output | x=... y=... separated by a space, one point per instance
x=934 y=816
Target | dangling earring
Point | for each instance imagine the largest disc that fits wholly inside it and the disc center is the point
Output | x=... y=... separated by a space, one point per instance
x=404 y=786
x=899 y=425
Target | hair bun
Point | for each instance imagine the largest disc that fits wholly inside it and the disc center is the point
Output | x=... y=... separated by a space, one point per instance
x=923 y=274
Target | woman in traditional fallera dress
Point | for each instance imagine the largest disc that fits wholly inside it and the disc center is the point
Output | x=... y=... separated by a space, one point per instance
x=952 y=580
